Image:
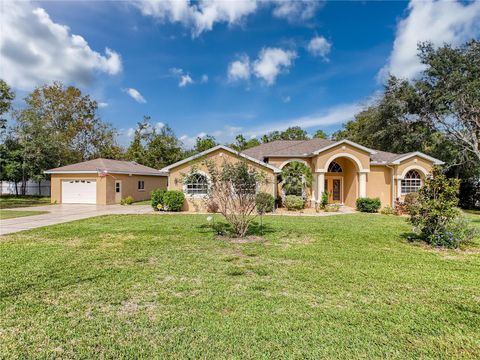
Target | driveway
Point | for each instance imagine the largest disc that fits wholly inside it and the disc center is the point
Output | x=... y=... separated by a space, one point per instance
x=64 y=213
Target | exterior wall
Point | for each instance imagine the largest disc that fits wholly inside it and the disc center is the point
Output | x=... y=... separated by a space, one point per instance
x=350 y=182
x=177 y=174
x=106 y=186
x=379 y=184
x=320 y=161
x=129 y=186
x=417 y=163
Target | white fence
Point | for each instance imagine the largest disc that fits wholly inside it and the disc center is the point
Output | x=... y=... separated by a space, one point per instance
x=32 y=188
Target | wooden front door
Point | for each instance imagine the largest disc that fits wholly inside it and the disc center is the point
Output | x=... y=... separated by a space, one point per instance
x=334 y=186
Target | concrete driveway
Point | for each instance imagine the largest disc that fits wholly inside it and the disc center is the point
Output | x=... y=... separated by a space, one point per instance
x=65 y=213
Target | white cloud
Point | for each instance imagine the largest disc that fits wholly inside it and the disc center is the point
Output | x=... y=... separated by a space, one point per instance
x=239 y=69
x=159 y=125
x=296 y=10
x=185 y=80
x=336 y=115
x=436 y=21
x=135 y=94
x=319 y=46
x=286 y=99
x=102 y=105
x=204 y=79
x=271 y=62
x=202 y=15
x=36 y=50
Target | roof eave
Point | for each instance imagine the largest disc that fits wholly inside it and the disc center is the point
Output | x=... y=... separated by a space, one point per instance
x=348 y=142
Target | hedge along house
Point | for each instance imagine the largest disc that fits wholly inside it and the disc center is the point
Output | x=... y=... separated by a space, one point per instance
x=104 y=182
x=343 y=169
x=191 y=175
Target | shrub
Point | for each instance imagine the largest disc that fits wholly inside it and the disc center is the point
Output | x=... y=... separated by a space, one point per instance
x=370 y=205
x=294 y=202
x=411 y=203
x=127 y=201
x=332 y=208
x=212 y=206
x=388 y=210
x=324 y=200
x=173 y=200
x=264 y=202
x=157 y=199
x=436 y=219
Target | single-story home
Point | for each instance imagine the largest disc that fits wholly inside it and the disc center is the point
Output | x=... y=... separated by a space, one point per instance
x=104 y=182
x=346 y=170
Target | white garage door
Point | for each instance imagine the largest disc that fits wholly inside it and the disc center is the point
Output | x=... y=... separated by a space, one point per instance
x=79 y=192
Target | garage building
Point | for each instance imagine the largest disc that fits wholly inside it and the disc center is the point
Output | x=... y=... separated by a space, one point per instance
x=104 y=182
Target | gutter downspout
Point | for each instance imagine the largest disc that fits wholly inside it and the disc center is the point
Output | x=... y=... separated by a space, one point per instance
x=393 y=187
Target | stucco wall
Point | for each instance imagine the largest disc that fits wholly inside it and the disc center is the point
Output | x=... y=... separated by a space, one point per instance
x=379 y=184
x=106 y=186
x=320 y=161
x=414 y=161
x=177 y=174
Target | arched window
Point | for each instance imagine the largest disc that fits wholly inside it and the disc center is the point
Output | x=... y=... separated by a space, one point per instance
x=334 y=167
x=196 y=184
x=411 y=182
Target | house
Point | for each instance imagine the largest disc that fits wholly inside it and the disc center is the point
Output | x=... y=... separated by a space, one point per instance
x=104 y=182
x=344 y=169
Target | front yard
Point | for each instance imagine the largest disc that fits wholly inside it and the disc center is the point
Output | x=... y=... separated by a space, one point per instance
x=12 y=201
x=146 y=286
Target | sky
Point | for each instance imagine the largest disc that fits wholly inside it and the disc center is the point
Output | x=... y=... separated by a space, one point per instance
x=224 y=67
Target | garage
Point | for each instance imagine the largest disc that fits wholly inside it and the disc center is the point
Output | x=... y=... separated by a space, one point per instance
x=79 y=191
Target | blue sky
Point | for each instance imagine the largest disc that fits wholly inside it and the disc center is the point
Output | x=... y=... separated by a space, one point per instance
x=225 y=68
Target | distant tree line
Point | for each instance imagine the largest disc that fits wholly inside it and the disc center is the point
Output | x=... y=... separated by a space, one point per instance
x=438 y=113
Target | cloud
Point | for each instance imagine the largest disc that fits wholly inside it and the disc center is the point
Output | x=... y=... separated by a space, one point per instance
x=202 y=15
x=271 y=62
x=439 y=22
x=102 y=105
x=204 y=79
x=135 y=94
x=185 y=80
x=319 y=46
x=286 y=99
x=336 y=115
x=239 y=69
x=36 y=50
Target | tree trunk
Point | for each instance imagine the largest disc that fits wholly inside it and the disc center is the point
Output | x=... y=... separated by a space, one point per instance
x=16 y=187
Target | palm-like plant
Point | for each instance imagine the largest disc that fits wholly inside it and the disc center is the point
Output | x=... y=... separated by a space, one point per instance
x=296 y=177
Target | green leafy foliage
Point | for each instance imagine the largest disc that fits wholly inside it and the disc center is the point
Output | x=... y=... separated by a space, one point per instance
x=324 y=200
x=294 y=202
x=436 y=218
x=332 y=208
x=204 y=143
x=157 y=198
x=388 y=210
x=173 y=200
x=369 y=205
x=296 y=177
x=127 y=201
x=265 y=202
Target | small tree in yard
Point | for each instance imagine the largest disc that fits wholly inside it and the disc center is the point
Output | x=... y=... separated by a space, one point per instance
x=233 y=187
x=436 y=217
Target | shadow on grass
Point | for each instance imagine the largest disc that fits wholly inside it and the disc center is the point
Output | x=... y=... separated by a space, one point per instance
x=222 y=228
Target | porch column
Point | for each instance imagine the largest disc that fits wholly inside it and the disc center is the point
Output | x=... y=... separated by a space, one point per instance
x=362 y=184
x=399 y=188
x=320 y=184
x=314 y=188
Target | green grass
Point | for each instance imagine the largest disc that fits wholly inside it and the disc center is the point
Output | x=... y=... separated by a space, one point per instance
x=10 y=214
x=158 y=286
x=12 y=201
x=143 y=202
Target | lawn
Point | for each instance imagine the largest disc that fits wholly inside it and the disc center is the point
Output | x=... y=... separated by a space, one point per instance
x=10 y=214
x=157 y=286
x=12 y=201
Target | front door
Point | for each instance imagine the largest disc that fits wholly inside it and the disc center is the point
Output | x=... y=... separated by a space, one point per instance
x=118 y=191
x=334 y=186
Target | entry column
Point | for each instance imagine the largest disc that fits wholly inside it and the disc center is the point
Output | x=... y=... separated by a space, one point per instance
x=320 y=184
x=362 y=184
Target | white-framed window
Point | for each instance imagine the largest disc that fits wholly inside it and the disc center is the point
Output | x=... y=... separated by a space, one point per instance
x=196 y=184
x=141 y=185
x=334 y=167
x=411 y=182
x=117 y=187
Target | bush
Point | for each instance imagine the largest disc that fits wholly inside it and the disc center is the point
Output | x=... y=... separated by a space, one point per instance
x=264 y=202
x=388 y=210
x=436 y=219
x=332 y=208
x=127 y=201
x=411 y=203
x=294 y=202
x=212 y=206
x=324 y=200
x=173 y=200
x=157 y=198
x=369 y=205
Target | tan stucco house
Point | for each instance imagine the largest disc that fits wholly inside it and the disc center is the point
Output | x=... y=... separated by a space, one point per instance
x=344 y=169
x=104 y=182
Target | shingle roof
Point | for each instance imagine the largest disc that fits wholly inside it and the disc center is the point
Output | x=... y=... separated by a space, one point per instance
x=299 y=148
x=109 y=165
